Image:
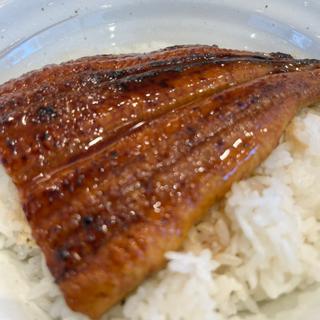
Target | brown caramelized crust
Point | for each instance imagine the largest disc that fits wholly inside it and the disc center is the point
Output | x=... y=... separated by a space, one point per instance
x=74 y=109
x=116 y=157
x=174 y=54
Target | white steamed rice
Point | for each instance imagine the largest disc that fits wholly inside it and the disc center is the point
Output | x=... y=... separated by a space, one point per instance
x=268 y=224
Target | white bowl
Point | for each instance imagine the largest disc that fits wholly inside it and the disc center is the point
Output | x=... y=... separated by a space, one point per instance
x=34 y=33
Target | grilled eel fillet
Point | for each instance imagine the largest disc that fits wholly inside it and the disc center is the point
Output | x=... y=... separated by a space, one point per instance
x=116 y=157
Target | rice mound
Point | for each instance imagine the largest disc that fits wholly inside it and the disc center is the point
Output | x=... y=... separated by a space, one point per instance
x=260 y=242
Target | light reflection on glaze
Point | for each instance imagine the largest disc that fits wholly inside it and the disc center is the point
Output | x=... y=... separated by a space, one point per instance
x=224 y=155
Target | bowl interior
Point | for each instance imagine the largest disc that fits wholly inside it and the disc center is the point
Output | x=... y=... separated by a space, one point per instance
x=54 y=31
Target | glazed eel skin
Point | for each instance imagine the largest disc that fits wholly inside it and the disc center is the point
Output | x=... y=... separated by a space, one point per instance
x=116 y=157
